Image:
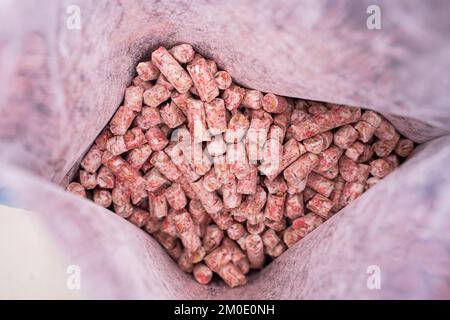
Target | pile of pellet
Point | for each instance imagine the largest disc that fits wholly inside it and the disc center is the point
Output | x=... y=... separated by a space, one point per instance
x=227 y=178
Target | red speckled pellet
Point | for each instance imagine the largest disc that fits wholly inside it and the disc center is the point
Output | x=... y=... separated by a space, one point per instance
x=147 y=71
x=92 y=160
x=88 y=180
x=216 y=116
x=233 y=97
x=202 y=273
x=121 y=120
x=203 y=80
x=274 y=104
x=76 y=188
x=171 y=69
x=175 y=196
x=223 y=80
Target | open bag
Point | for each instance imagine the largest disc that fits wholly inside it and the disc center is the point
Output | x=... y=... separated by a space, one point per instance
x=60 y=85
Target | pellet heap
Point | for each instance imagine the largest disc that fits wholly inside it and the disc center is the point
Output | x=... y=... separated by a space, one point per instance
x=227 y=178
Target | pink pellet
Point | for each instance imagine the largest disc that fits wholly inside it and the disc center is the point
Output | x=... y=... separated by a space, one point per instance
x=162 y=162
x=272 y=157
x=330 y=173
x=88 y=180
x=203 y=79
x=171 y=115
x=176 y=252
x=133 y=98
x=180 y=99
x=102 y=197
x=270 y=239
x=139 y=217
x=149 y=117
x=121 y=120
x=178 y=158
x=296 y=185
x=141 y=83
x=183 y=53
x=223 y=80
x=138 y=156
x=103 y=137
x=355 y=150
x=252 y=99
x=318 y=143
x=275 y=207
x=167 y=241
x=404 y=147
x=237 y=128
x=202 y=273
x=278 y=185
x=210 y=182
x=158 y=204
x=256 y=228
x=213 y=237
x=123 y=211
x=116 y=145
x=350 y=170
x=351 y=191
x=372 y=118
x=273 y=103
x=105 y=178
x=232 y=275
x=156 y=138
x=171 y=69
x=216 y=116
x=247 y=184
x=301 y=167
x=156 y=95
x=291 y=236
x=197 y=121
x=147 y=71
x=175 y=196
x=385 y=131
x=155 y=180
x=337 y=116
x=320 y=205
x=231 y=198
x=383 y=148
x=320 y=184
x=291 y=152
x=212 y=66
x=345 y=136
x=168 y=224
x=307 y=223
x=120 y=194
x=236 y=231
x=217 y=146
x=210 y=200
x=380 y=168
x=76 y=188
x=317 y=108
x=92 y=160
x=134 y=138
x=120 y=168
x=255 y=251
x=294 y=206
x=233 y=97
x=365 y=130
x=277 y=226
x=371 y=182
x=186 y=230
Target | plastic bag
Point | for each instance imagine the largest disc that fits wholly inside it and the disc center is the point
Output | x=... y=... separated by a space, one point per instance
x=60 y=85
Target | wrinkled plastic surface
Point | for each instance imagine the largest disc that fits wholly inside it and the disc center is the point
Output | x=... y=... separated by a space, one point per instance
x=59 y=87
